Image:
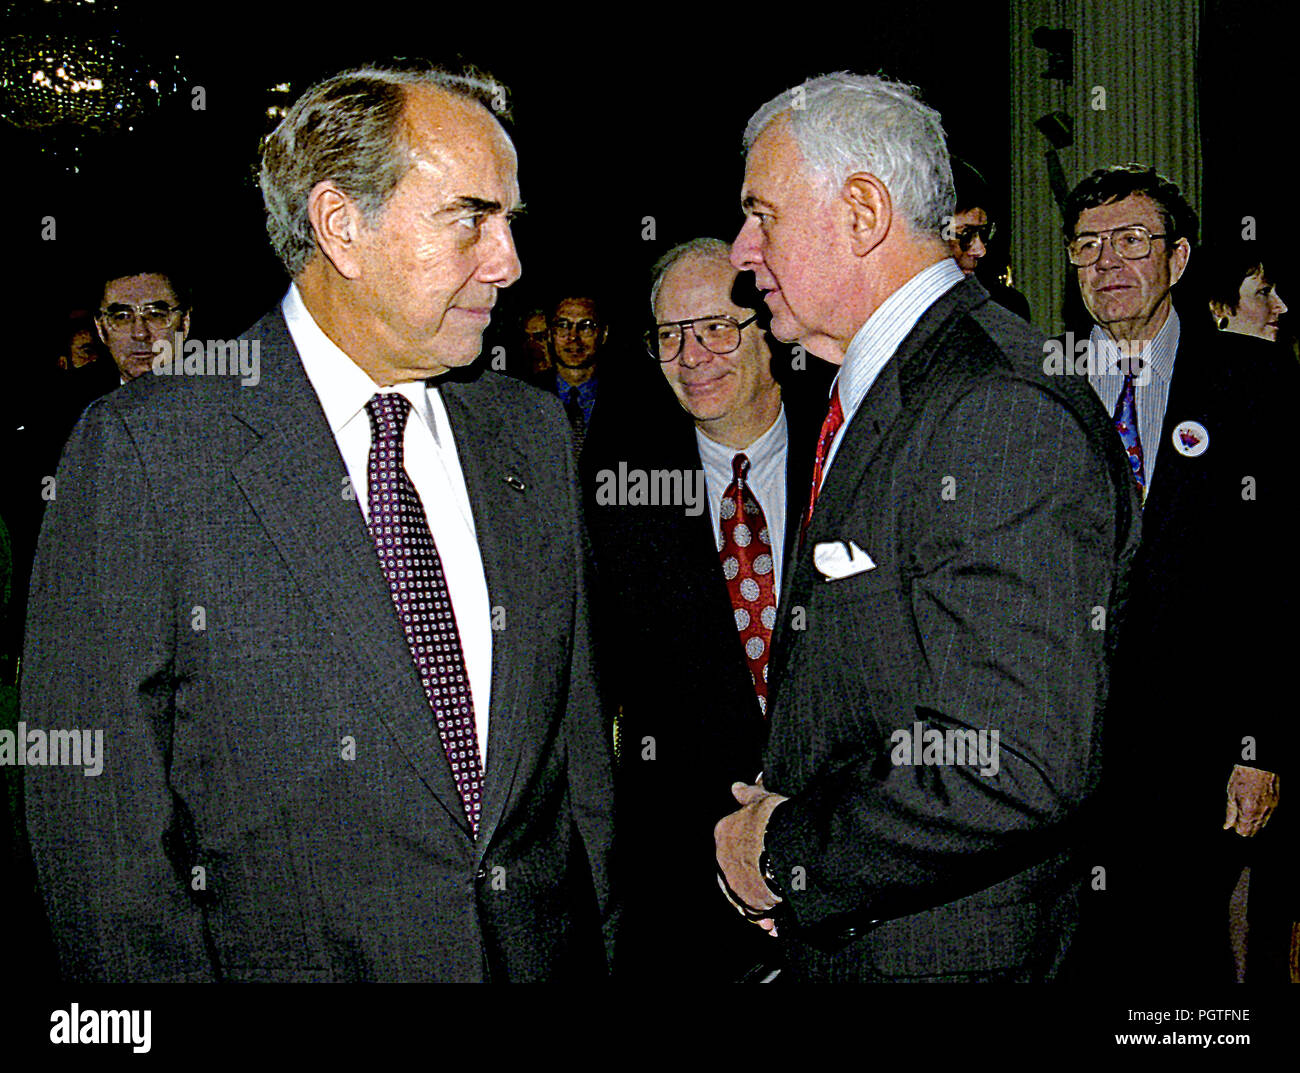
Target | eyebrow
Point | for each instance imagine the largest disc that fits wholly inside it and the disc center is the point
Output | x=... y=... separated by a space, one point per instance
x=480 y=205
x=750 y=200
x=1117 y=227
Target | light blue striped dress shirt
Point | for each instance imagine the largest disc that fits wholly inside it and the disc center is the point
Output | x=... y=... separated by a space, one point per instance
x=1152 y=397
x=882 y=333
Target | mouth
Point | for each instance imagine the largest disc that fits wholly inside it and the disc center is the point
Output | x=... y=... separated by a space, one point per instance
x=703 y=387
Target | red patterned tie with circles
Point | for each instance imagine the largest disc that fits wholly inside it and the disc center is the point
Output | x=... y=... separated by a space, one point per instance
x=419 y=589
x=830 y=426
x=748 y=567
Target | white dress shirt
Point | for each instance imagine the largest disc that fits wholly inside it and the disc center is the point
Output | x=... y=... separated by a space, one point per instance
x=767 y=459
x=344 y=388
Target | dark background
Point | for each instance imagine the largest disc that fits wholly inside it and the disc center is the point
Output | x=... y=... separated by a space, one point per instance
x=618 y=114
x=621 y=113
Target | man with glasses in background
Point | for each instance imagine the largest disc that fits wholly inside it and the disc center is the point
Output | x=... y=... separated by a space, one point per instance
x=700 y=583
x=138 y=309
x=577 y=334
x=1199 y=686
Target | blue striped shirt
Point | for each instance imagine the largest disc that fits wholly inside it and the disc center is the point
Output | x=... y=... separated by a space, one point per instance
x=882 y=334
x=1151 y=394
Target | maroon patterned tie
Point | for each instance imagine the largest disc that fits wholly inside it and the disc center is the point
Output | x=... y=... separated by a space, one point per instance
x=747 y=565
x=419 y=590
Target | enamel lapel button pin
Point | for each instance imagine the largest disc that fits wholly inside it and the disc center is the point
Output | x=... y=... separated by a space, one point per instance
x=1191 y=439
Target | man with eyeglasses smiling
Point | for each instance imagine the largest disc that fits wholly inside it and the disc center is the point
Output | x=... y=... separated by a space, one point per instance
x=716 y=575
x=1195 y=735
x=135 y=311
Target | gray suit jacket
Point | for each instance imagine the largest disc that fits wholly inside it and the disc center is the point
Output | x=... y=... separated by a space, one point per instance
x=996 y=506
x=275 y=803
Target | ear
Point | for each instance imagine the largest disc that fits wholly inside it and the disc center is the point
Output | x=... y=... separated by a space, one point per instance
x=870 y=211
x=336 y=222
x=604 y=335
x=1218 y=309
x=99 y=330
x=185 y=323
x=1178 y=258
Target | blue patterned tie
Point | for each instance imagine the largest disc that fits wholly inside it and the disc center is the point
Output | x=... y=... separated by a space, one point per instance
x=1127 y=423
x=419 y=590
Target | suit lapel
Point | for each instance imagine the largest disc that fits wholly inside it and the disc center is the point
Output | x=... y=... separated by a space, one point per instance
x=293 y=479
x=502 y=497
x=863 y=436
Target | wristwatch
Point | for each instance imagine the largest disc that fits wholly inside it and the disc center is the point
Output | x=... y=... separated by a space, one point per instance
x=766 y=871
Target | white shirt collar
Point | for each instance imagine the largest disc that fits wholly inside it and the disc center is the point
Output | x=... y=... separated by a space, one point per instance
x=342 y=386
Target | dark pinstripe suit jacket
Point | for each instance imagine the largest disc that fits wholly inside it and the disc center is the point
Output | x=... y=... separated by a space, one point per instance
x=225 y=745
x=995 y=503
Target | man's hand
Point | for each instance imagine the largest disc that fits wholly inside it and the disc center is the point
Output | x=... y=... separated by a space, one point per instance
x=1252 y=797
x=739 y=841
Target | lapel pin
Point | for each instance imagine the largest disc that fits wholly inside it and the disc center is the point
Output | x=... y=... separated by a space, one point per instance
x=1191 y=439
x=515 y=483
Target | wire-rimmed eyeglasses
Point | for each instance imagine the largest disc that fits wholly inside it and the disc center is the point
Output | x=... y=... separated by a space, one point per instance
x=718 y=334
x=1132 y=242
x=120 y=317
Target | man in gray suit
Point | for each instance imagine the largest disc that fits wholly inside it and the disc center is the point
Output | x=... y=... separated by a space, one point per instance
x=334 y=626
x=940 y=663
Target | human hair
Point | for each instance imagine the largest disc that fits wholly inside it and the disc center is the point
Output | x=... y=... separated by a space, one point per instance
x=1107 y=185
x=697 y=247
x=145 y=265
x=845 y=123
x=972 y=191
x=576 y=294
x=347 y=129
x=1224 y=266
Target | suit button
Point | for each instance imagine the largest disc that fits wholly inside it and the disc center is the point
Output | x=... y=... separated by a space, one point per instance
x=481 y=874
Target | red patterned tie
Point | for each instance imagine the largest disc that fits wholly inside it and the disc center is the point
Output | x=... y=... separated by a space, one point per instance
x=419 y=589
x=747 y=565
x=834 y=420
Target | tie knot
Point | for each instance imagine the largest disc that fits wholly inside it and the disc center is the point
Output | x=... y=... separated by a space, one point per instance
x=388 y=414
x=740 y=467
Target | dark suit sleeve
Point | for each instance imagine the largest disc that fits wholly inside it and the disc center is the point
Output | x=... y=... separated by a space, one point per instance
x=98 y=656
x=1009 y=545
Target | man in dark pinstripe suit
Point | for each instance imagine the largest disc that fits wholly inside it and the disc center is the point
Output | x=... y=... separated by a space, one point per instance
x=941 y=662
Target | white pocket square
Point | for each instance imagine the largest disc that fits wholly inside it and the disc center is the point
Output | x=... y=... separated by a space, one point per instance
x=837 y=562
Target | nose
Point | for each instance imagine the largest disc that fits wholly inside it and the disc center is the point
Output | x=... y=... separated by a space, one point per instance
x=744 y=250
x=977 y=248
x=500 y=265
x=1279 y=305
x=139 y=329
x=1109 y=258
x=693 y=351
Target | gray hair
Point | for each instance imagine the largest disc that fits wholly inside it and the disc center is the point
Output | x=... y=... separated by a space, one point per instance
x=844 y=123
x=696 y=247
x=348 y=129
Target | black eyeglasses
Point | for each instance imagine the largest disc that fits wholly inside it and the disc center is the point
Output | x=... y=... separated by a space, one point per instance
x=1132 y=243
x=717 y=334
x=965 y=236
